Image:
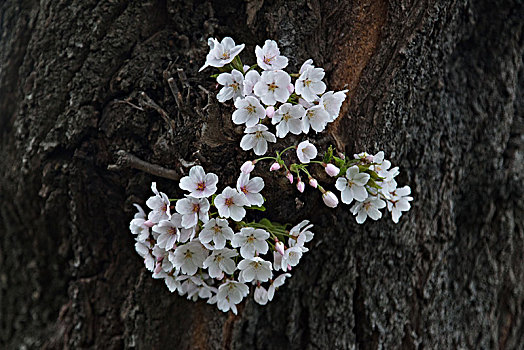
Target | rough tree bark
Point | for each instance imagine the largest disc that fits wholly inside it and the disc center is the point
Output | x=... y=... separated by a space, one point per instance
x=437 y=85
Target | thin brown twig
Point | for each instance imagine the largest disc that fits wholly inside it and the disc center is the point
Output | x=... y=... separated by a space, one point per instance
x=148 y=102
x=126 y=159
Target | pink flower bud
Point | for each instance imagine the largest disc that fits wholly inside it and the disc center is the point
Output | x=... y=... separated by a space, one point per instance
x=279 y=247
x=274 y=167
x=149 y=223
x=158 y=267
x=289 y=177
x=270 y=112
x=246 y=68
x=313 y=182
x=247 y=167
x=330 y=199
x=290 y=88
x=341 y=155
x=300 y=186
x=331 y=170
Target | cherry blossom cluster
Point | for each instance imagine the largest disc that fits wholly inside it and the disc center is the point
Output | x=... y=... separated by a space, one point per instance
x=266 y=92
x=366 y=181
x=201 y=247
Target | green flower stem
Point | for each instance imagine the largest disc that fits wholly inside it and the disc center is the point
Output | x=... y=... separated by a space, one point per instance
x=173 y=200
x=264 y=158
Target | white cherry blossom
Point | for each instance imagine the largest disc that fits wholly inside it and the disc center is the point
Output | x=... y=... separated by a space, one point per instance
x=159 y=204
x=353 y=185
x=250 y=79
x=288 y=118
x=256 y=138
x=302 y=234
x=370 y=207
x=251 y=241
x=316 y=118
x=251 y=188
x=144 y=250
x=277 y=282
x=221 y=53
x=332 y=101
x=220 y=261
x=272 y=87
x=399 y=202
x=230 y=204
x=233 y=85
x=268 y=56
x=229 y=294
x=192 y=209
x=249 y=111
x=137 y=226
x=260 y=295
x=255 y=268
x=198 y=183
x=216 y=231
x=189 y=257
x=309 y=85
x=169 y=233
x=292 y=256
x=306 y=151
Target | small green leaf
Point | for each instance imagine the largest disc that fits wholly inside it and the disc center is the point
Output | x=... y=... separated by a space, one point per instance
x=254 y=207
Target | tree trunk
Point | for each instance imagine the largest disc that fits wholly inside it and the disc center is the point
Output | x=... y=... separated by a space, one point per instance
x=436 y=85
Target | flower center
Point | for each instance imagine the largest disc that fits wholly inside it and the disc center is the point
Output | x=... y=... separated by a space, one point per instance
x=229 y=202
x=267 y=60
x=307 y=82
x=286 y=117
x=272 y=87
x=235 y=86
x=244 y=189
x=225 y=55
x=196 y=208
x=201 y=186
x=250 y=109
x=217 y=229
x=258 y=134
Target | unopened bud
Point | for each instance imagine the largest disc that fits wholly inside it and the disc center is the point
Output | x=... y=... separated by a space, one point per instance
x=291 y=88
x=270 y=112
x=300 y=186
x=330 y=199
x=289 y=177
x=313 y=182
x=247 y=167
x=279 y=247
x=149 y=223
x=331 y=169
x=274 y=167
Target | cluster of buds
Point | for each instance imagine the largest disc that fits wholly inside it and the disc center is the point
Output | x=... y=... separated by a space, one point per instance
x=265 y=94
x=204 y=249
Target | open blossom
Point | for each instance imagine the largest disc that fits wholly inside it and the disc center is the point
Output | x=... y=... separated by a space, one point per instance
x=309 y=85
x=229 y=294
x=256 y=138
x=230 y=204
x=302 y=234
x=251 y=241
x=399 y=202
x=332 y=101
x=288 y=118
x=370 y=207
x=169 y=233
x=192 y=209
x=272 y=87
x=186 y=234
x=220 y=261
x=269 y=58
x=137 y=226
x=189 y=257
x=381 y=165
x=252 y=77
x=277 y=282
x=255 y=269
x=217 y=231
x=221 y=53
x=163 y=265
x=249 y=111
x=292 y=256
x=198 y=183
x=260 y=295
x=159 y=204
x=251 y=188
x=233 y=86
x=316 y=118
x=306 y=151
x=352 y=186
x=144 y=250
